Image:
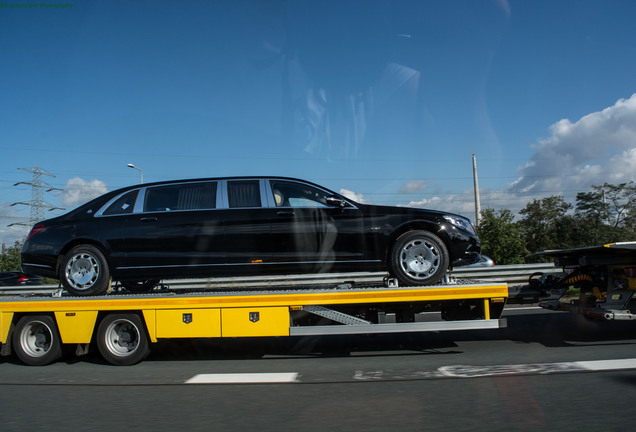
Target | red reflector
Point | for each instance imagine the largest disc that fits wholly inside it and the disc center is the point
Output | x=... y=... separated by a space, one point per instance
x=36 y=229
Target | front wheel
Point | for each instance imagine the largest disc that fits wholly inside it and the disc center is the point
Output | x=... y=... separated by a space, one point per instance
x=122 y=339
x=36 y=340
x=84 y=271
x=419 y=258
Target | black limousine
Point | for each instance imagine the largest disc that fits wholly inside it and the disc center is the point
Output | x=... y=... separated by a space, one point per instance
x=241 y=226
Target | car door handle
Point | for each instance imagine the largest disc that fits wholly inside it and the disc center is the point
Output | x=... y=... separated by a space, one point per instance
x=148 y=219
x=285 y=213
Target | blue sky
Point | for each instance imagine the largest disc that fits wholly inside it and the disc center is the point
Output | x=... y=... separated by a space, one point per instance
x=383 y=100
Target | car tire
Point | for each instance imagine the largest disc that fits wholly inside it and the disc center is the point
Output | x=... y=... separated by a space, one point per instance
x=143 y=286
x=84 y=271
x=418 y=258
x=122 y=339
x=36 y=340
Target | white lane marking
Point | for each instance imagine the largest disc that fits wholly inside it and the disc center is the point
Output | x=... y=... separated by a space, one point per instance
x=601 y=365
x=244 y=378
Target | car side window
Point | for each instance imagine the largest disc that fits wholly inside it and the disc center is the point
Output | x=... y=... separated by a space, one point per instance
x=244 y=193
x=123 y=205
x=290 y=194
x=179 y=197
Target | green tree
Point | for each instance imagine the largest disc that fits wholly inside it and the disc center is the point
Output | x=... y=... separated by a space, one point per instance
x=590 y=206
x=610 y=204
x=607 y=213
x=546 y=225
x=10 y=258
x=501 y=237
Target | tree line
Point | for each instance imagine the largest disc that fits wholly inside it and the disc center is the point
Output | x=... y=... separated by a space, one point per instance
x=10 y=258
x=605 y=214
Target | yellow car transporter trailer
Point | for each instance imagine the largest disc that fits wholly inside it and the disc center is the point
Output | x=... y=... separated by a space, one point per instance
x=123 y=326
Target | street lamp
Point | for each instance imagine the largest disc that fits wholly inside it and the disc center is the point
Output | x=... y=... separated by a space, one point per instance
x=140 y=172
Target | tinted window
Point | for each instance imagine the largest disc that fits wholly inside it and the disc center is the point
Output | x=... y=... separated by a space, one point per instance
x=123 y=205
x=190 y=196
x=291 y=194
x=245 y=193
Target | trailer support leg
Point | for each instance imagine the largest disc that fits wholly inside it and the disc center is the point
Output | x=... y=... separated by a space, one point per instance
x=82 y=349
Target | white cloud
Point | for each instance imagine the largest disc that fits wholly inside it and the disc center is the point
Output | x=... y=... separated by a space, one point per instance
x=625 y=164
x=413 y=186
x=599 y=148
x=464 y=203
x=430 y=203
x=456 y=203
x=78 y=191
x=357 y=197
x=11 y=215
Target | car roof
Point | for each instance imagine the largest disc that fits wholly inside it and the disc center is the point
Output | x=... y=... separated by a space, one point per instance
x=194 y=180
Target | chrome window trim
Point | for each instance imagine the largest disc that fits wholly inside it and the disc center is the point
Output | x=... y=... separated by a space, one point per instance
x=225 y=201
x=277 y=263
x=37 y=265
x=141 y=199
x=264 y=199
x=221 y=195
x=269 y=193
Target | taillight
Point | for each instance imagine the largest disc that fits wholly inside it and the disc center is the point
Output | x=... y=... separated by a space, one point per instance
x=22 y=278
x=36 y=229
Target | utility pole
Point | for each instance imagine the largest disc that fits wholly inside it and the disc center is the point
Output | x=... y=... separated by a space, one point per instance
x=37 y=204
x=476 y=185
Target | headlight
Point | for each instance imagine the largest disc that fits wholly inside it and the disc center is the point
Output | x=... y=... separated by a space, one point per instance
x=461 y=222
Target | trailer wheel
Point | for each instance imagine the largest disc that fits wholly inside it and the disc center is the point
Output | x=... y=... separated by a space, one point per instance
x=122 y=339
x=36 y=340
x=143 y=286
x=419 y=258
x=84 y=271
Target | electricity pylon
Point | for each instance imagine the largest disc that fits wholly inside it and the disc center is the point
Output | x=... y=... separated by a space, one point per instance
x=37 y=204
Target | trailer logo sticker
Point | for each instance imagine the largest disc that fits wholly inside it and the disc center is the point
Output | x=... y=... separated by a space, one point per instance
x=255 y=316
x=187 y=318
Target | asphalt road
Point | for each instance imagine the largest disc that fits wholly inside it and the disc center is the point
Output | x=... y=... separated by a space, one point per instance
x=546 y=371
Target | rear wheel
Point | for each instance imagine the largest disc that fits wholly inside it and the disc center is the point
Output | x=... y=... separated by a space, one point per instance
x=36 y=340
x=419 y=258
x=140 y=286
x=84 y=271
x=122 y=339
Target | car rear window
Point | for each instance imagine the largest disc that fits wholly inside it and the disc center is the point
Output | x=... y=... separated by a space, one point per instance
x=123 y=205
x=244 y=193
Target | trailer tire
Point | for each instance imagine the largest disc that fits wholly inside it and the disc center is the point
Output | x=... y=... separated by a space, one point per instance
x=84 y=271
x=36 y=340
x=419 y=258
x=122 y=339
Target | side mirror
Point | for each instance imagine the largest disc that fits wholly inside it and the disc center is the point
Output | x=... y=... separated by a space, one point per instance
x=334 y=201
